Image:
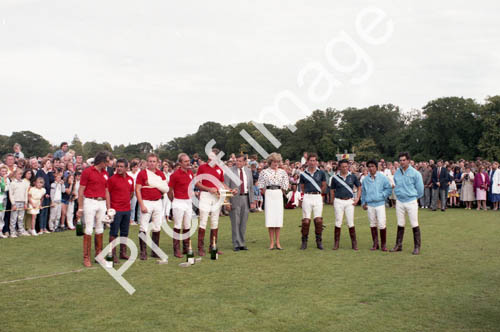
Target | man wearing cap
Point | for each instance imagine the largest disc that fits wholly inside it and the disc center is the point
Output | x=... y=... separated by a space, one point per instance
x=375 y=190
x=312 y=184
x=93 y=202
x=148 y=189
x=409 y=188
x=121 y=190
x=209 y=200
x=342 y=193
x=182 y=205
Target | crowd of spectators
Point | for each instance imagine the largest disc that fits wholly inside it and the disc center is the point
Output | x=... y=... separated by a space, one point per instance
x=39 y=195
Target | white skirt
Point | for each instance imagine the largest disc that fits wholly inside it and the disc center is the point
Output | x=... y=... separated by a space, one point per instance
x=274 y=208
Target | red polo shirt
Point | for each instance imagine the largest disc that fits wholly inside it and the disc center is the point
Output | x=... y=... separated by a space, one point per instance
x=179 y=182
x=95 y=182
x=214 y=171
x=120 y=188
x=149 y=194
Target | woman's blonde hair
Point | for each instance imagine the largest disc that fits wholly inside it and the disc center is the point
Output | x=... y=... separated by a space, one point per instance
x=274 y=157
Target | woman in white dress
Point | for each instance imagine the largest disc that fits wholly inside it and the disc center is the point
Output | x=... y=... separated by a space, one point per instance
x=272 y=182
x=467 y=195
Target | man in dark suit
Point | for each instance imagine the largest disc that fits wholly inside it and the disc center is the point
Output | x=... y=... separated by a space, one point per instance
x=242 y=200
x=440 y=182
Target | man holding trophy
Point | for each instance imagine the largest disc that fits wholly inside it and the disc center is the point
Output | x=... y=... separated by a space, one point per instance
x=210 y=200
x=93 y=202
x=242 y=200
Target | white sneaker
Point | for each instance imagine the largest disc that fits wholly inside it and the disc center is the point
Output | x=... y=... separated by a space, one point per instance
x=34 y=233
x=2 y=236
x=13 y=235
x=40 y=233
x=24 y=233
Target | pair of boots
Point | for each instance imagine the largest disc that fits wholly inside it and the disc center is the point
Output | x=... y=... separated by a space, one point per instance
x=87 y=244
x=123 y=251
x=383 y=238
x=177 y=244
x=352 y=234
x=416 y=240
x=318 y=230
x=143 y=246
x=214 y=234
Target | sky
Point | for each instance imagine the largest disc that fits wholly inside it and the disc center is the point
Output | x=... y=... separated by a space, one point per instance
x=134 y=71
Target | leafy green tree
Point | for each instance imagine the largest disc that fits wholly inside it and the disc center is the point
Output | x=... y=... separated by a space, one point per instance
x=4 y=146
x=490 y=117
x=382 y=123
x=316 y=133
x=366 y=150
x=90 y=149
x=76 y=145
x=140 y=150
x=451 y=128
x=32 y=143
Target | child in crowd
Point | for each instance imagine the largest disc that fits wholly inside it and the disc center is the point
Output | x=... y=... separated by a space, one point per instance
x=293 y=198
x=257 y=196
x=56 y=190
x=4 y=187
x=35 y=199
x=76 y=186
x=68 y=202
x=29 y=179
x=18 y=194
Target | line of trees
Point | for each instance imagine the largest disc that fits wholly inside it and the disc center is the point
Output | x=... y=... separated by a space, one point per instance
x=449 y=128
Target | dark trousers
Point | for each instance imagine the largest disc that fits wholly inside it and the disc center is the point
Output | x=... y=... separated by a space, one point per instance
x=121 y=222
x=425 y=200
x=43 y=216
x=6 y=217
x=442 y=195
x=239 y=218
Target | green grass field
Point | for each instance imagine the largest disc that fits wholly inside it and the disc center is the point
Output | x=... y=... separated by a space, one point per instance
x=454 y=285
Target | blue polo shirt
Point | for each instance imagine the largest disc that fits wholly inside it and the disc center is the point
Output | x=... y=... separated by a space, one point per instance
x=318 y=177
x=340 y=190
x=409 y=184
x=375 y=191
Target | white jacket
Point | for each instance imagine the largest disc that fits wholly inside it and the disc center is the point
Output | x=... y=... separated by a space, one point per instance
x=495 y=183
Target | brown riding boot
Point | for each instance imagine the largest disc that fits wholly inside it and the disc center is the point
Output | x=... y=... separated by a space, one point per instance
x=123 y=252
x=142 y=245
x=156 y=240
x=185 y=243
x=305 y=232
x=201 y=242
x=177 y=244
x=374 y=238
x=214 y=233
x=352 y=234
x=337 y=238
x=416 y=240
x=399 y=240
x=86 y=250
x=97 y=244
x=318 y=229
x=113 y=251
x=383 y=239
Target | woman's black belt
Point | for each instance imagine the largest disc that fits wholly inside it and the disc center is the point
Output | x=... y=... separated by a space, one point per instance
x=273 y=187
